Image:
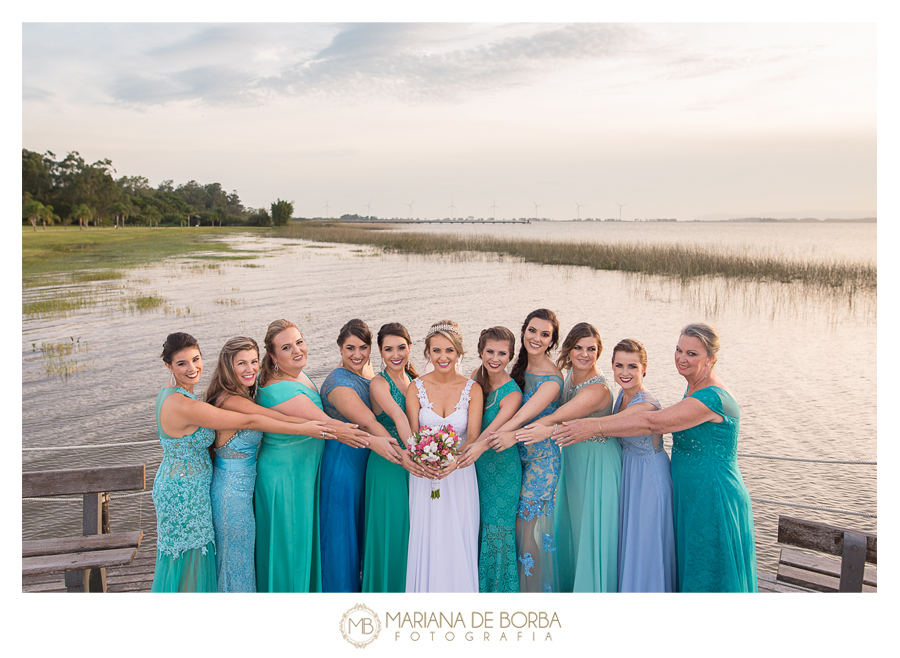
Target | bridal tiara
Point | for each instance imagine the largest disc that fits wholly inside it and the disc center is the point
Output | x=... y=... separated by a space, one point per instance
x=444 y=327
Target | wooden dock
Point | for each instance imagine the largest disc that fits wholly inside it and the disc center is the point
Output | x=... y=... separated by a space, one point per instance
x=138 y=576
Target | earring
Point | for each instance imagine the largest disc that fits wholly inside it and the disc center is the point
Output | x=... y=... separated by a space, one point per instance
x=383 y=366
x=172 y=381
x=276 y=367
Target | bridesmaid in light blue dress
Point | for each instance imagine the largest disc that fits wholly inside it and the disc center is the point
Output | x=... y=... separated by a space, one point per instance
x=345 y=397
x=541 y=383
x=646 y=530
x=587 y=500
x=232 y=387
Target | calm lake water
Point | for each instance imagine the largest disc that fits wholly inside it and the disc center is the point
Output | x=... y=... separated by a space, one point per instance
x=785 y=351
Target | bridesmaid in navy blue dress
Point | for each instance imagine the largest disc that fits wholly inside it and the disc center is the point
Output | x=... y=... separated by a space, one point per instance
x=232 y=387
x=345 y=397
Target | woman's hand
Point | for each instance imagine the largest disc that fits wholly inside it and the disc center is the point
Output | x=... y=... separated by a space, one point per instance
x=500 y=441
x=387 y=447
x=318 y=429
x=472 y=452
x=533 y=433
x=447 y=470
x=417 y=469
x=575 y=431
x=350 y=434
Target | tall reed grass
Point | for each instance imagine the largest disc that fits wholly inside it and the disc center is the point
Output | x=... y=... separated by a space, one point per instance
x=681 y=262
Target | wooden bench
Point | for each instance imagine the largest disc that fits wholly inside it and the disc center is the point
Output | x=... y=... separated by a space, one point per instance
x=83 y=559
x=820 y=573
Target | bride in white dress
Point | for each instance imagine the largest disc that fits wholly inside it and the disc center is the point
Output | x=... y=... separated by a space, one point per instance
x=443 y=532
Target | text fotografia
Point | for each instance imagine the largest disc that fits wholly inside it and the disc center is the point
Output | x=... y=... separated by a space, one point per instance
x=480 y=626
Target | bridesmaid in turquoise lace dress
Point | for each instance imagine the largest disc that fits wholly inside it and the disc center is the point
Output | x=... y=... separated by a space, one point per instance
x=714 y=538
x=541 y=381
x=232 y=387
x=499 y=473
x=186 y=554
x=345 y=397
x=286 y=499
x=387 y=484
x=587 y=501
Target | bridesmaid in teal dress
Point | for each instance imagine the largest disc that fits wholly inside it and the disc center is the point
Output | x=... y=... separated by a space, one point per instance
x=232 y=387
x=186 y=553
x=714 y=536
x=499 y=473
x=386 y=536
x=345 y=397
x=587 y=501
x=541 y=382
x=286 y=499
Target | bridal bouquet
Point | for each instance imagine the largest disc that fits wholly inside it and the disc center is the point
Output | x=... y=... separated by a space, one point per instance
x=435 y=446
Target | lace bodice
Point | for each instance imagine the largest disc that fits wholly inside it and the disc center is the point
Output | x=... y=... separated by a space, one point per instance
x=711 y=440
x=638 y=445
x=181 y=487
x=459 y=419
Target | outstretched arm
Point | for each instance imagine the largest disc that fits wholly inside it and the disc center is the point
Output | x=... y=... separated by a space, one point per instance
x=588 y=400
x=505 y=436
x=349 y=404
x=508 y=407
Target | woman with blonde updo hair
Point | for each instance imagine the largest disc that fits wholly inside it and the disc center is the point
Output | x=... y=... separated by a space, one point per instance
x=715 y=545
x=232 y=387
x=443 y=532
x=286 y=499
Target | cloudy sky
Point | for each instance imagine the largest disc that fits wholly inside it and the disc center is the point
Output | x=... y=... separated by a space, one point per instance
x=683 y=120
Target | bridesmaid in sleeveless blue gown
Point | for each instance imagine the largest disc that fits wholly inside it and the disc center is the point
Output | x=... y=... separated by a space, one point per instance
x=499 y=473
x=342 y=503
x=542 y=384
x=186 y=554
x=713 y=516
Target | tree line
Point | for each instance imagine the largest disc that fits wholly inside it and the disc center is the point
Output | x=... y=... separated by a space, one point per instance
x=72 y=191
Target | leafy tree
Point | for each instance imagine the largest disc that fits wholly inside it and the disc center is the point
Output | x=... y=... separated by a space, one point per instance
x=281 y=212
x=152 y=215
x=33 y=211
x=260 y=218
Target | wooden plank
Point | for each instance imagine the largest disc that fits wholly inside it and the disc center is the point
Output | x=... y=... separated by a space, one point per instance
x=83 y=481
x=812 y=580
x=820 y=537
x=77 y=561
x=823 y=565
x=38 y=547
x=767 y=583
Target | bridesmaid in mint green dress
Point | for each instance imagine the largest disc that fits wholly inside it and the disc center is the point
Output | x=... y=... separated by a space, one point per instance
x=587 y=500
x=286 y=499
x=387 y=484
x=499 y=473
x=186 y=553
x=541 y=383
x=715 y=544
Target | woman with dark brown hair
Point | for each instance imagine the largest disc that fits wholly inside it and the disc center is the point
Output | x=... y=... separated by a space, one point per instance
x=345 y=397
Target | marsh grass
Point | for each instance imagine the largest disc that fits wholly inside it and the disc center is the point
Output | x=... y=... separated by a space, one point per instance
x=56 y=357
x=680 y=262
x=138 y=303
x=58 y=303
x=228 y=301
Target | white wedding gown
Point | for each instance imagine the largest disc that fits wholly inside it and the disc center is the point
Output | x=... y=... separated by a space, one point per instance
x=443 y=533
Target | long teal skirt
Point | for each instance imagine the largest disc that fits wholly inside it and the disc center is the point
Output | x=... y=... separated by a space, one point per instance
x=192 y=571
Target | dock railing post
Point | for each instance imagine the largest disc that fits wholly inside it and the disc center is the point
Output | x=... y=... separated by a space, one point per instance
x=853 y=562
